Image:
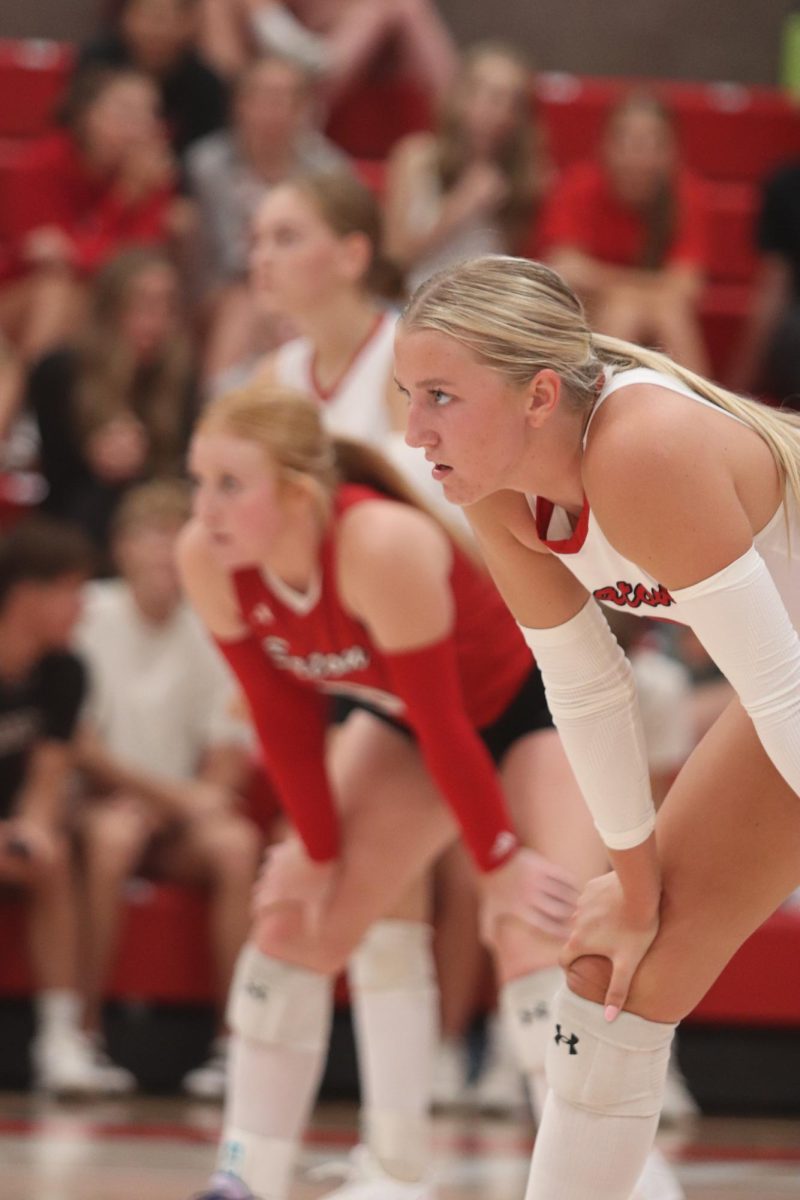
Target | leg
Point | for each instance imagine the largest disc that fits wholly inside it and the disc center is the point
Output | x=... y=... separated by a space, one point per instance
x=280 y=1002
x=552 y=818
x=113 y=835
x=675 y=326
x=621 y=312
x=729 y=843
x=221 y=853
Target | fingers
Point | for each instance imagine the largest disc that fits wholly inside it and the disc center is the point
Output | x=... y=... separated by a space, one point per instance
x=618 y=988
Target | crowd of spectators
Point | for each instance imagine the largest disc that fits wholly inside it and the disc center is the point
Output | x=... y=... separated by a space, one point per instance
x=188 y=223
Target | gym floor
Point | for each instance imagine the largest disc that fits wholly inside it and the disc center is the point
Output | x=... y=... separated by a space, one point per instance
x=163 y=1149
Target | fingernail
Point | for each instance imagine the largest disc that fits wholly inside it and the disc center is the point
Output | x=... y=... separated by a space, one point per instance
x=611 y=1013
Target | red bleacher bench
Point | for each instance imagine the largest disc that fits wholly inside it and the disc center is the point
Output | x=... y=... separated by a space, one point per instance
x=164 y=952
x=33 y=74
x=761 y=984
x=726 y=131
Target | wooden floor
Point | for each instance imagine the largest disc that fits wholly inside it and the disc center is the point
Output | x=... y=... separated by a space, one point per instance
x=151 y=1149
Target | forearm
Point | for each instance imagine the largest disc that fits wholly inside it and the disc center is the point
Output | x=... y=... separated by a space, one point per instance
x=640 y=875
x=592 y=698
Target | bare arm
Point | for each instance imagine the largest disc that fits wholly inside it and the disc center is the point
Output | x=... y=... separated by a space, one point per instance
x=410 y=175
x=41 y=800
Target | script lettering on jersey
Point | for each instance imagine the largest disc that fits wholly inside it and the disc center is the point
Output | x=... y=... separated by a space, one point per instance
x=317 y=665
x=633 y=595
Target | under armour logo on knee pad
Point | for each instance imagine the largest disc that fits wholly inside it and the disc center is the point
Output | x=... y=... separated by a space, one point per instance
x=539 y=1012
x=571 y=1041
x=257 y=991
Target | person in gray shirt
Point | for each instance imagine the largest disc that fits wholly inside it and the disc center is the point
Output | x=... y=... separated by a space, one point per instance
x=273 y=136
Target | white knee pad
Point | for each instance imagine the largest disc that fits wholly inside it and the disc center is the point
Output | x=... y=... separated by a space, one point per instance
x=616 y=1068
x=526 y=1005
x=394 y=955
x=273 y=1002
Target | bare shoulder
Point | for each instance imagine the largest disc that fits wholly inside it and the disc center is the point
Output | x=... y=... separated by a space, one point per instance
x=660 y=486
x=206 y=584
x=394 y=574
x=390 y=537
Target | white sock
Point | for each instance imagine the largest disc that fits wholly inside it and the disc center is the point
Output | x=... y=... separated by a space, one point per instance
x=601 y=1114
x=273 y=1078
x=57 y=1010
x=526 y=1005
x=396 y=1017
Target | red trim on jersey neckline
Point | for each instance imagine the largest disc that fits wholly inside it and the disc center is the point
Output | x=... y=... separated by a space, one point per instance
x=570 y=545
x=329 y=392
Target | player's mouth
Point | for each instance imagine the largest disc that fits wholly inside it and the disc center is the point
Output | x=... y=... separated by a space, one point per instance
x=440 y=471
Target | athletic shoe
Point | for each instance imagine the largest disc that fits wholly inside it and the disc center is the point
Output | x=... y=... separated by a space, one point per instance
x=224 y=1186
x=658 y=1181
x=365 y=1179
x=450 y=1075
x=207 y=1082
x=69 y=1063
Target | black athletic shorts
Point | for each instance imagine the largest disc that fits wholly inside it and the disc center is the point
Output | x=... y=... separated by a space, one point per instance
x=526 y=713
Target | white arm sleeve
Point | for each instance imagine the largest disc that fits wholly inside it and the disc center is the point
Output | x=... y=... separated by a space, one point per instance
x=740 y=618
x=592 y=698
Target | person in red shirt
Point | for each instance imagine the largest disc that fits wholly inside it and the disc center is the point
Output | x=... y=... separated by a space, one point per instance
x=322 y=580
x=77 y=197
x=629 y=232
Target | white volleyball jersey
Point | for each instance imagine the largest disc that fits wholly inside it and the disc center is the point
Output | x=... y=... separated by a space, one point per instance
x=355 y=407
x=619 y=583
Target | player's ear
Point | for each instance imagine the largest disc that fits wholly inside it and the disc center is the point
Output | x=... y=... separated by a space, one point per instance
x=543 y=396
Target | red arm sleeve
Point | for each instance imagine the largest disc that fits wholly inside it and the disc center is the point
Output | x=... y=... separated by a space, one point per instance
x=427 y=680
x=291 y=723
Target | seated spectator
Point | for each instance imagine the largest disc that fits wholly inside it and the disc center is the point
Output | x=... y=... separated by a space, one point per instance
x=157 y=37
x=165 y=758
x=768 y=360
x=42 y=568
x=229 y=173
x=77 y=197
x=339 y=39
x=473 y=186
x=116 y=408
x=629 y=232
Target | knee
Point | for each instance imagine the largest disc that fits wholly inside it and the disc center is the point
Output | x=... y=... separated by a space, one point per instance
x=234 y=851
x=112 y=843
x=282 y=934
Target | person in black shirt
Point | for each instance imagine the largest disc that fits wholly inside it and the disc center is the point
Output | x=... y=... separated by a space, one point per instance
x=43 y=565
x=158 y=38
x=768 y=360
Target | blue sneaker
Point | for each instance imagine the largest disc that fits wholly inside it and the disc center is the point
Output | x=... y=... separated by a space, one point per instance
x=224 y=1186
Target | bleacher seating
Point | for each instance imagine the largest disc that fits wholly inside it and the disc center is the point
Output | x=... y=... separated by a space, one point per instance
x=733 y=136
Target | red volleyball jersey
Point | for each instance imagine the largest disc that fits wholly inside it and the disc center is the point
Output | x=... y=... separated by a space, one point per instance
x=302 y=647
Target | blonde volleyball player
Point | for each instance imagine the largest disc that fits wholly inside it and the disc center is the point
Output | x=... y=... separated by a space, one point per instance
x=594 y=470
x=318 y=576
